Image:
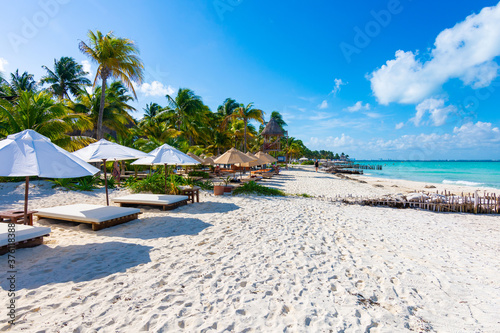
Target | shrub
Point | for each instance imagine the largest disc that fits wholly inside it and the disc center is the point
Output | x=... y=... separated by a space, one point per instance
x=254 y=188
x=88 y=183
x=307 y=163
x=197 y=173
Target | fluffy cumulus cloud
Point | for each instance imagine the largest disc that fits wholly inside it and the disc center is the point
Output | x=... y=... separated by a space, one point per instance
x=3 y=63
x=323 y=105
x=465 y=51
x=338 y=84
x=467 y=136
x=155 y=88
x=331 y=142
x=399 y=126
x=358 y=107
x=87 y=67
x=438 y=113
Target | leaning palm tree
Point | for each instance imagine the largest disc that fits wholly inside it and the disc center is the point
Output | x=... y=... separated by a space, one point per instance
x=228 y=107
x=67 y=77
x=116 y=58
x=246 y=113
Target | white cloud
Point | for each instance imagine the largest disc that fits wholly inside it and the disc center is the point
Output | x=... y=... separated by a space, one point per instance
x=373 y=115
x=399 y=126
x=338 y=84
x=87 y=67
x=323 y=105
x=3 y=64
x=358 y=106
x=478 y=133
x=469 y=135
x=155 y=88
x=331 y=142
x=465 y=51
x=437 y=111
x=320 y=116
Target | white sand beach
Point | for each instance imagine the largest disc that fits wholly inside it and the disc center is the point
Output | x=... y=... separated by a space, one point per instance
x=260 y=264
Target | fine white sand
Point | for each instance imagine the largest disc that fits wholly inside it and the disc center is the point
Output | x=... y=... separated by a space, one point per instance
x=259 y=264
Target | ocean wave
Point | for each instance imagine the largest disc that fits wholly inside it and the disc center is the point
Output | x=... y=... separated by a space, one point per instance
x=461 y=182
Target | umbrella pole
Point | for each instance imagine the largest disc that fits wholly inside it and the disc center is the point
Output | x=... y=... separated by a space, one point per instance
x=105 y=180
x=165 y=178
x=26 y=200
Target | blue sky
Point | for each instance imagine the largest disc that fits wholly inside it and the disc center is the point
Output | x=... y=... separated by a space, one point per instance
x=375 y=79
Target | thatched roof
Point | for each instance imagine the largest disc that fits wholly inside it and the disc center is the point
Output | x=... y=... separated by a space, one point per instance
x=272 y=129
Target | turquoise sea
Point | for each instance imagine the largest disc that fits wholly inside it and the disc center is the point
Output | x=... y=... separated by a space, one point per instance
x=469 y=173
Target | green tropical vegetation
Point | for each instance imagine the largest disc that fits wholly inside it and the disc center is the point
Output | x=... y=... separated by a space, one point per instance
x=73 y=111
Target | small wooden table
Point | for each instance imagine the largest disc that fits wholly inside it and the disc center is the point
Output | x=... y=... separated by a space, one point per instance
x=191 y=192
x=16 y=216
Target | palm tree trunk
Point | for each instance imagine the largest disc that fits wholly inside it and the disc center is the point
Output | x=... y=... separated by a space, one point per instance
x=101 y=109
x=245 y=146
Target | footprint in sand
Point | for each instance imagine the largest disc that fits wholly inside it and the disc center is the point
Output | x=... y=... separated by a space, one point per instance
x=395 y=280
x=360 y=284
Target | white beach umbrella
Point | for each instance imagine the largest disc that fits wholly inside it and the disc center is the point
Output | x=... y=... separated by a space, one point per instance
x=166 y=155
x=29 y=153
x=104 y=150
x=303 y=159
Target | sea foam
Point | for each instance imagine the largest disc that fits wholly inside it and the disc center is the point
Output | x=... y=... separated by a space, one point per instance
x=461 y=182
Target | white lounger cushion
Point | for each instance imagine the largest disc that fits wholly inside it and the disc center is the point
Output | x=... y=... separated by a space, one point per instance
x=86 y=213
x=150 y=199
x=23 y=232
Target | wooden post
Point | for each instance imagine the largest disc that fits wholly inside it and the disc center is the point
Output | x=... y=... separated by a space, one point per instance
x=26 y=189
x=476 y=197
x=105 y=181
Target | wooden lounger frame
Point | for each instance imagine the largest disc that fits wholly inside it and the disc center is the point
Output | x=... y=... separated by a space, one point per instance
x=32 y=242
x=164 y=206
x=95 y=225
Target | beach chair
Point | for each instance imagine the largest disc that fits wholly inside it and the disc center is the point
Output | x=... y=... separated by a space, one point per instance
x=24 y=236
x=99 y=217
x=166 y=201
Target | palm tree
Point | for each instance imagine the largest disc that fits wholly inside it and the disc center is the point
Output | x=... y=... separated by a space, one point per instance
x=68 y=76
x=152 y=110
x=116 y=109
x=39 y=112
x=186 y=112
x=279 y=119
x=23 y=82
x=246 y=113
x=228 y=107
x=116 y=58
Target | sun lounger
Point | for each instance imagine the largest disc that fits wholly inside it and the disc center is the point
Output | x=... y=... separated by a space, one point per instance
x=25 y=236
x=166 y=201
x=99 y=216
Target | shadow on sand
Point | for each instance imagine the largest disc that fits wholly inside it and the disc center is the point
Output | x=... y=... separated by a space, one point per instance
x=143 y=228
x=76 y=263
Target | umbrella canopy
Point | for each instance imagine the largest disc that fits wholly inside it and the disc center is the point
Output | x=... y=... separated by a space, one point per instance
x=255 y=162
x=208 y=161
x=303 y=159
x=103 y=150
x=168 y=155
x=106 y=150
x=29 y=153
x=270 y=158
x=200 y=160
x=233 y=156
x=264 y=157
